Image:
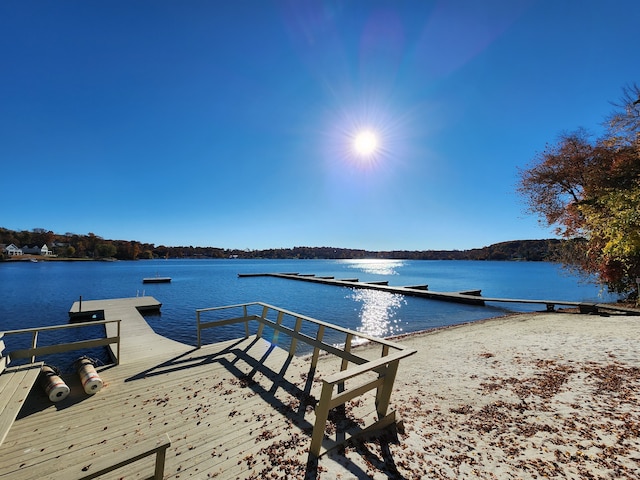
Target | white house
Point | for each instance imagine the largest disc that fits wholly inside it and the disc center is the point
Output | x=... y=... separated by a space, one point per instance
x=13 y=251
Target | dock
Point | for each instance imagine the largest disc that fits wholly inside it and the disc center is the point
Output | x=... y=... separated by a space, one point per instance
x=156 y=280
x=138 y=340
x=470 y=297
x=422 y=291
x=236 y=409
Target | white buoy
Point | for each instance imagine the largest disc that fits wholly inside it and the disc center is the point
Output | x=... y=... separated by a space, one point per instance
x=91 y=381
x=53 y=385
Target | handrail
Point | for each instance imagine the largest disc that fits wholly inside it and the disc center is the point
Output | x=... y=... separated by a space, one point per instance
x=160 y=450
x=386 y=366
x=34 y=350
x=337 y=328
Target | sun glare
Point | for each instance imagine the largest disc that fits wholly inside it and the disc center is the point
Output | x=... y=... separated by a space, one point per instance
x=365 y=143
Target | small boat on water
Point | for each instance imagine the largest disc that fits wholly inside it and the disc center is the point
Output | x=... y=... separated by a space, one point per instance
x=156 y=280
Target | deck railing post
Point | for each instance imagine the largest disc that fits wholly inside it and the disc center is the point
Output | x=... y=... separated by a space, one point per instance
x=198 y=328
x=383 y=395
x=276 y=332
x=347 y=349
x=246 y=322
x=161 y=456
x=118 y=344
x=322 y=413
x=265 y=310
x=34 y=343
x=316 y=350
x=345 y=362
x=294 y=340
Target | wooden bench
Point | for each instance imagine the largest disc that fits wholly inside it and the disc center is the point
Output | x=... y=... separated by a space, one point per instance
x=15 y=385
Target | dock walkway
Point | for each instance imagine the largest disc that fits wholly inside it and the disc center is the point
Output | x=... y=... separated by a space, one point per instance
x=471 y=297
x=138 y=341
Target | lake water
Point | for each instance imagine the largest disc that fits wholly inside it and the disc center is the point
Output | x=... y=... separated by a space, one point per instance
x=37 y=294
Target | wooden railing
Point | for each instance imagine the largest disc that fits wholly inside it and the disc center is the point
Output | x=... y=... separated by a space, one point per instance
x=101 y=466
x=35 y=350
x=314 y=333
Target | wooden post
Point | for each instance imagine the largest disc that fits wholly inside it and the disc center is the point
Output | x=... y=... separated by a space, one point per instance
x=316 y=350
x=265 y=309
x=322 y=413
x=118 y=344
x=383 y=396
x=246 y=322
x=161 y=455
x=294 y=340
x=276 y=332
x=198 y=328
x=34 y=343
x=345 y=362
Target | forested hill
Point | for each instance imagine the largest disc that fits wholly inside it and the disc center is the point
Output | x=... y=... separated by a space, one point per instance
x=70 y=245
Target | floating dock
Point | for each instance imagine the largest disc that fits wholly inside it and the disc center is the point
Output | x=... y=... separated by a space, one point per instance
x=471 y=297
x=156 y=280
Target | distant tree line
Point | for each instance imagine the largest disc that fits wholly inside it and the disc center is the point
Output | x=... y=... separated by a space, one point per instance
x=92 y=246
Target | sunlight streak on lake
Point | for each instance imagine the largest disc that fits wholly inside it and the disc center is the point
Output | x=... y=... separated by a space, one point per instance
x=378 y=312
x=376 y=266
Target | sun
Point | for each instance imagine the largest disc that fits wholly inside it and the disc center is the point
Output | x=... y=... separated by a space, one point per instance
x=365 y=143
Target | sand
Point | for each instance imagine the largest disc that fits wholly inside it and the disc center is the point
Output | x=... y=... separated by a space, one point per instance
x=524 y=396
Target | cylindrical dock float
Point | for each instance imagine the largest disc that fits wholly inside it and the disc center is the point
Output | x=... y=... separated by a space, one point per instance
x=53 y=385
x=91 y=381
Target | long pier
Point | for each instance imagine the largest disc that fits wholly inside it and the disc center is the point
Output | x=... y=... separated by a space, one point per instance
x=471 y=297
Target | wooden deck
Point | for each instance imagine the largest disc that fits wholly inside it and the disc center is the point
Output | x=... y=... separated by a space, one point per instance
x=228 y=409
x=237 y=409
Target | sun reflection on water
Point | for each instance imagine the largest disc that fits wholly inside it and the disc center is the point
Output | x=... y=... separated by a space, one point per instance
x=378 y=312
x=376 y=266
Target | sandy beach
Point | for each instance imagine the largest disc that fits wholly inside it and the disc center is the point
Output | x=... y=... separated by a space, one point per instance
x=525 y=396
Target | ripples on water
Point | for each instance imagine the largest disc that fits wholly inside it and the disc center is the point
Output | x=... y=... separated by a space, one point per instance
x=37 y=294
x=379 y=312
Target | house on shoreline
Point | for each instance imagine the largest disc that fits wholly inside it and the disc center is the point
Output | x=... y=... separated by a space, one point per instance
x=13 y=251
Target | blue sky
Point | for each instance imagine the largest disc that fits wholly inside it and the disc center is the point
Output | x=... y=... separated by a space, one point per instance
x=231 y=124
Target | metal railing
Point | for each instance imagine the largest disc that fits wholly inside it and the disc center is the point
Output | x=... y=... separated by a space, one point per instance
x=292 y=325
x=34 y=350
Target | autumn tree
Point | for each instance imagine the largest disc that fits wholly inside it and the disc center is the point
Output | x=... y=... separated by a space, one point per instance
x=590 y=190
x=105 y=250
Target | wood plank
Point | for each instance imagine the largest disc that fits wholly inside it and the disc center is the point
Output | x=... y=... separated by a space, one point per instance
x=16 y=385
